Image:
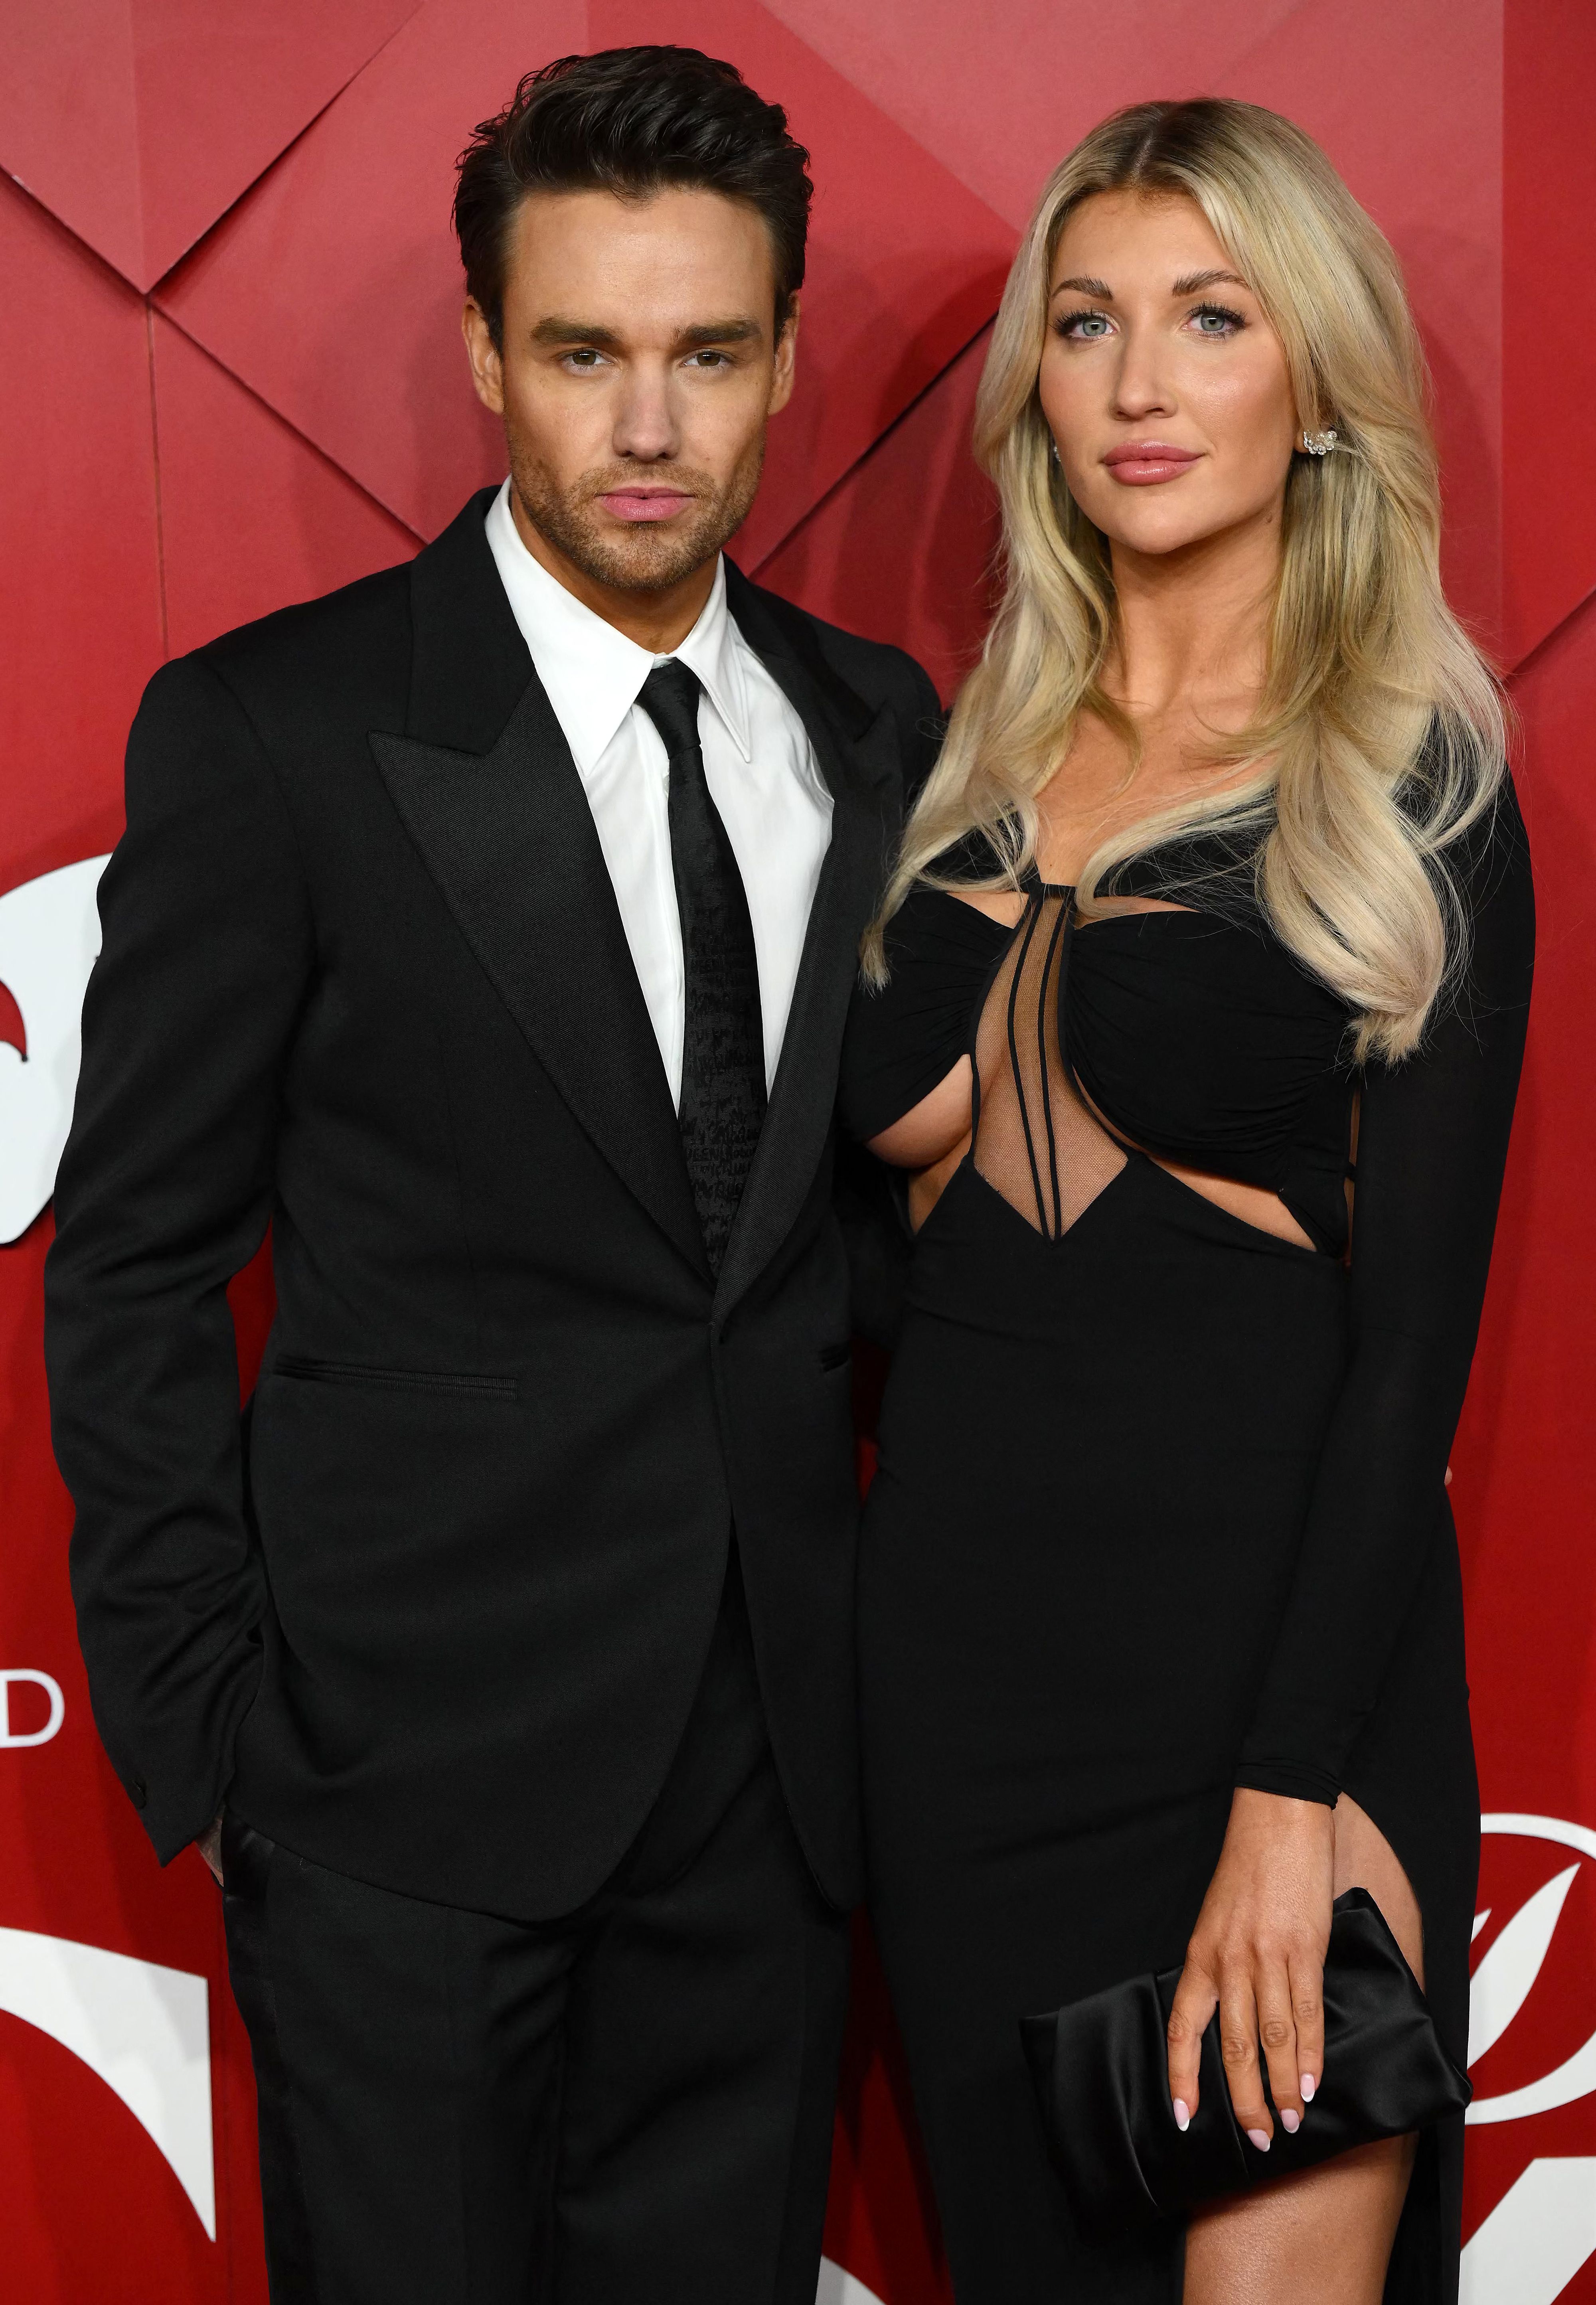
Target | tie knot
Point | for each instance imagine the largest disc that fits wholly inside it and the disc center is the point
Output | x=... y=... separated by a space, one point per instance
x=670 y=698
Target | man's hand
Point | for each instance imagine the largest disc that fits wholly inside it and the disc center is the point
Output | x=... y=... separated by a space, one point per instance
x=209 y=1845
x=1257 y=1954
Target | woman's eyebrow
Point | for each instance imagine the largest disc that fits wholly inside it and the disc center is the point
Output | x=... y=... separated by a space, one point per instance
x=1190 y=282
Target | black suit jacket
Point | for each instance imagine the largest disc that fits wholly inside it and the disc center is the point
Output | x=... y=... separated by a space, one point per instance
x=437 y=1615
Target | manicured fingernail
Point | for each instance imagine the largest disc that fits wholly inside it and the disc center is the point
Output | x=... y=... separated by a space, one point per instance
x=1183 y=2114
x=1291 y=2120
x=1259 y=2140
x=1306 y=2085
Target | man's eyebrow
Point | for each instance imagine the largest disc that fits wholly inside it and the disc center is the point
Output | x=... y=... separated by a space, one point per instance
x=742 y=331
x=557 y=330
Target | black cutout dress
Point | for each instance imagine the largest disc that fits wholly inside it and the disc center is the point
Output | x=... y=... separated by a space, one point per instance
x=1160 y=1505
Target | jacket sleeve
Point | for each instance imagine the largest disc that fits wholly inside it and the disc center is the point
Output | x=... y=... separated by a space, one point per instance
x=1432 y=1145
x=164 y=1192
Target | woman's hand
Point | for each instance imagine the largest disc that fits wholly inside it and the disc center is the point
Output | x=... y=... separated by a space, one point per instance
x=1257 y=1953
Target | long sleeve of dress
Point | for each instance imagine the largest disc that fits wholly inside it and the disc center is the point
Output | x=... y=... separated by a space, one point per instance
x=1432 y=1145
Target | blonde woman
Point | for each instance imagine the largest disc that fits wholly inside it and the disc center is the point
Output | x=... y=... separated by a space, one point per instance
x=1218 y=899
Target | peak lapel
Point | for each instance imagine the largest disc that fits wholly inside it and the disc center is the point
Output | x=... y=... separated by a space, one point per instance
x=495 y=809
x=858 y=755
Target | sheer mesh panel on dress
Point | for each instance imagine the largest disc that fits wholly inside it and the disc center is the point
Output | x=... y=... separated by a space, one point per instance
x=1035 y=1141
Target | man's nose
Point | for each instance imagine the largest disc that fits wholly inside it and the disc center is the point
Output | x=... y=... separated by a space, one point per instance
x=646 y=424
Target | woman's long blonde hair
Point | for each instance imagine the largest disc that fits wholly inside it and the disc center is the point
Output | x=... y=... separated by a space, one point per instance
x=1379 y=736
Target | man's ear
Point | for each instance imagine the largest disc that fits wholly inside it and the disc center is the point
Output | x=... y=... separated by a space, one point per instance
x=784 y=367
x=488 y=373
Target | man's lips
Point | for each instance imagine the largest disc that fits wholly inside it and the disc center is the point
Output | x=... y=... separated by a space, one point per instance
x=1138 y=464
x=645 y=504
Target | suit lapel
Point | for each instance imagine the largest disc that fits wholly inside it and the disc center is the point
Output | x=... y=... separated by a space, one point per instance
x=485 y=785
x=858 y=753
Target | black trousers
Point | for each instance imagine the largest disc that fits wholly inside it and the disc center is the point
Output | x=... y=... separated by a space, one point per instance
x=631 y=2105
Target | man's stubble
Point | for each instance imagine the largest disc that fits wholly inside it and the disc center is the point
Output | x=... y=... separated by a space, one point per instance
x=645 y=557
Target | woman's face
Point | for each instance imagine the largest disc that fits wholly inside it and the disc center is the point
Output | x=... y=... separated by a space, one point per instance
x=1162 y=382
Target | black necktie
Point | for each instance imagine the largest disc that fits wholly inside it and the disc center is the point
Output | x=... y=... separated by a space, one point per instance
x=723 y=1039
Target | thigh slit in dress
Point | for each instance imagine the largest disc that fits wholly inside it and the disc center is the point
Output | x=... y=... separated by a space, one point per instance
x=1160 y=1504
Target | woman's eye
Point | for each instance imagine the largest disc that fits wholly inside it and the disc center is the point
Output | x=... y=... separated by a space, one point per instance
x=1216 y=320
x=1085 y=327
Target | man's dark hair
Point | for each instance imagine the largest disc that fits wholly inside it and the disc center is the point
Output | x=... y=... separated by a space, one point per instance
x=630 y=121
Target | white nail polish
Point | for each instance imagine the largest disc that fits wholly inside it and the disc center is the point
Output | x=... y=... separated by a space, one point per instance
x=1183 y=2117
x=1290 y=2121
x=1307 y=2088
x=1258 y=2138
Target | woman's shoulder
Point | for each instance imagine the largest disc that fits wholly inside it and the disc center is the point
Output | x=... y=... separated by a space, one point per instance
x=936 y=927
x=906 y=1034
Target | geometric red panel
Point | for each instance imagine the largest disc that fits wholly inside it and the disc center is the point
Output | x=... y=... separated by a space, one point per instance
x=136 y=121
x=1412 y=120
x=341 y=311
x=1525 y=1460
x=1000 y=98
x=1526 y=1467
x=902 y=548
x=80 y=574
x=252 y=516
x=905 y=264
x=1549 y=345
x=333 y=290
x=1411 y=117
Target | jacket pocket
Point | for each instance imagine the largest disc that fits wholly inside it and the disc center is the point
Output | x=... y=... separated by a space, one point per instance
x=396 y=1380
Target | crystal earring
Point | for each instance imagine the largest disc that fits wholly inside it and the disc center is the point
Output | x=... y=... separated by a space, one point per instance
x=1319 y=444
x=1055 y=452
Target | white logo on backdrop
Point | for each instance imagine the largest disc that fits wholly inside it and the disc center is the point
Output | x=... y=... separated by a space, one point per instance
x=1543 y=2229
x=10 y=1736
x=839 y=2288
x=49 y=935
x=143 y=2028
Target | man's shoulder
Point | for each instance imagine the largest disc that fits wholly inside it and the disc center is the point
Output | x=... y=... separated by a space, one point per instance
x=351 y=639
x=878 y=672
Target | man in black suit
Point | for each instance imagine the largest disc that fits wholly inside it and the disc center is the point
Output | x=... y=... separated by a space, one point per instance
x=487 y=929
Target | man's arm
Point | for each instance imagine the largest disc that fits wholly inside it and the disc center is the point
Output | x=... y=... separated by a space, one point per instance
x=164 y=1192
x=924 y=725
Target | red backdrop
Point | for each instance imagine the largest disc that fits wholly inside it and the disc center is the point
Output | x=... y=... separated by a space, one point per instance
x=230 y=378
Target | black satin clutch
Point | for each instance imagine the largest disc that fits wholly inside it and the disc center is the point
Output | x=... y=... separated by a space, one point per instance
x=1101 y=2072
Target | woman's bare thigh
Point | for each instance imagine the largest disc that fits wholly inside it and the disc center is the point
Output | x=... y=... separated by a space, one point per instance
x=1323 y=2238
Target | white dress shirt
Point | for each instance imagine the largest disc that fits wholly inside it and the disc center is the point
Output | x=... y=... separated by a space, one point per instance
x=761 y=772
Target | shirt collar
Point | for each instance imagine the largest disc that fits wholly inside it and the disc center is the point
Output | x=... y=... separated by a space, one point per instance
x=592 y=672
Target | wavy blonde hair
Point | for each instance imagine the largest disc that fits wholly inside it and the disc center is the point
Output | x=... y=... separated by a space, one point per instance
x=1379 y=736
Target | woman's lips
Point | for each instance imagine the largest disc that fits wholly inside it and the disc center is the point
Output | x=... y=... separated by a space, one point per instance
x=645 y=504
x=1140 y=464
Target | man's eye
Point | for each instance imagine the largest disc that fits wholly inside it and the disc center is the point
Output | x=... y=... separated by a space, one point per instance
x=584 y=356
x=710 y=359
